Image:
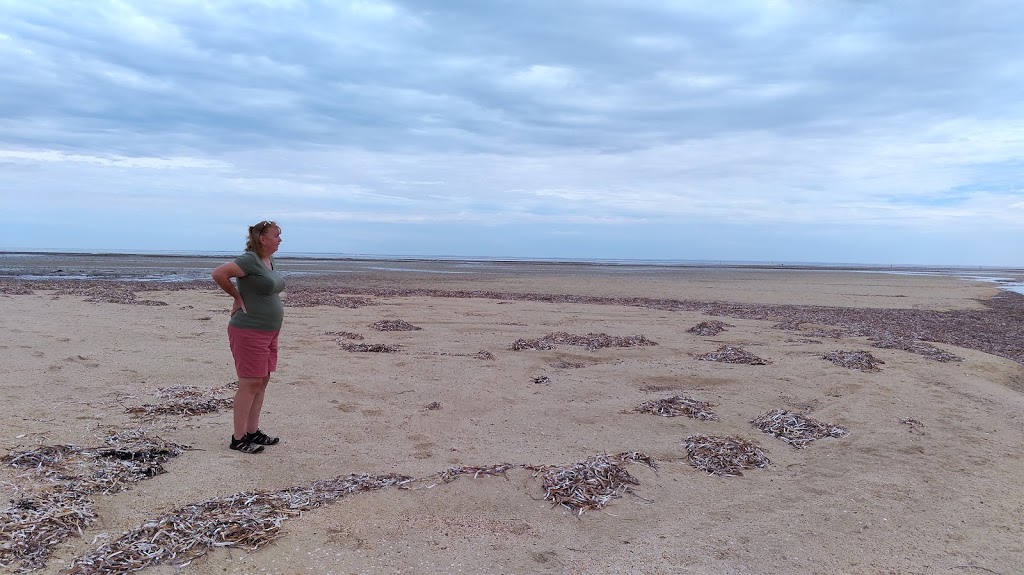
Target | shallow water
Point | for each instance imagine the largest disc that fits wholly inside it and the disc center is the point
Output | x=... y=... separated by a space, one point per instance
x=197 y=267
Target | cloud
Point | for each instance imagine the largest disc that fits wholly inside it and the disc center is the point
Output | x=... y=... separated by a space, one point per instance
x=843 y=118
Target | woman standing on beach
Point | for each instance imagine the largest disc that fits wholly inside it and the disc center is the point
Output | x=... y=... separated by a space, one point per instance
x=256 y=317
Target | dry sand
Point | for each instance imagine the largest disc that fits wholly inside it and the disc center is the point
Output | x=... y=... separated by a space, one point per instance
x=941 y=495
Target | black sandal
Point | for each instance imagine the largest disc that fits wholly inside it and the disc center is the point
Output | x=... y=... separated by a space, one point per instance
x=244 y=445
x=259 y=438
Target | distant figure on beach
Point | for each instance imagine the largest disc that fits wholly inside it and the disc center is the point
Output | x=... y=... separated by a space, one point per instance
x=256 y=317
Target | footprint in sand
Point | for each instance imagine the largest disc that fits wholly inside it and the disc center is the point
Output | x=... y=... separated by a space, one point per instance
x=422 y=445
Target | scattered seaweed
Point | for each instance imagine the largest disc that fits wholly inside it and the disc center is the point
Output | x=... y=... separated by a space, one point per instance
x=731 y=354
x=184 y=400
x=542 y=379
x=344 y=334
x=246 y=520
x=796 y=429
x=482 y=354
x=713 y=327
x=724 y=456
x=104 y=293
x=394 y=325
x=567 y=365
x=997 y=329
x=15 y=289
x=859 y=360
x=678 y=405
x=591 y=341
x=369 y=347
x=453 y=473
x=913 y=425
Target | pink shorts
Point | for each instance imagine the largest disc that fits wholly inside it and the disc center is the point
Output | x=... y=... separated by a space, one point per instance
x=255 y=351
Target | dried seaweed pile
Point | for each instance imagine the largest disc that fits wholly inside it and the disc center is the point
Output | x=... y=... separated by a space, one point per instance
x=394 y=325
x=344 y=334
x=593 y=482
x=678 y=405
x=713 y=327
x=245 y=520
x=31 y=527
x=859 y=360
x=369 y=347
x=567 y=365
x=913 y=345
x=796 y=429
x=591 y=341
x=184 y=400
x=724 y=456
x=731 y=354
x=127 y=459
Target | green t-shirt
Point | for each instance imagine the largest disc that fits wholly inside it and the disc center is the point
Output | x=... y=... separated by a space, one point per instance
x=260 y=288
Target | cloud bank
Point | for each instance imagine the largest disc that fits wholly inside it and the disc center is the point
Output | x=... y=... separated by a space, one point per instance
x=846 y=131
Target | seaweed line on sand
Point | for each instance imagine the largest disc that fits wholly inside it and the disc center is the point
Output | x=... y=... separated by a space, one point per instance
x=249 y=520
x=913 y=345
x=997 y=329
x=368 y=347
x=591 y=341
x=246 y=520
x=588 y=484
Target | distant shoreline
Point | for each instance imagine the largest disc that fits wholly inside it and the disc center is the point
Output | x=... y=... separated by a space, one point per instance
x=327 y=257
x=184 y=268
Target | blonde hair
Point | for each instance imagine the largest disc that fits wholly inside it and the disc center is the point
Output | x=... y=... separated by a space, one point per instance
x=252 y=243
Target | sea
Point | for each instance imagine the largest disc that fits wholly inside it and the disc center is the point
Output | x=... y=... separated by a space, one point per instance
x=196 y=266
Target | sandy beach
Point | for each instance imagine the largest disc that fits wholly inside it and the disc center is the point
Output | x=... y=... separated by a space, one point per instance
x=450 y=403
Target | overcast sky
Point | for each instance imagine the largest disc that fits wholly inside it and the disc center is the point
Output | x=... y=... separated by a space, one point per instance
x=848 y=131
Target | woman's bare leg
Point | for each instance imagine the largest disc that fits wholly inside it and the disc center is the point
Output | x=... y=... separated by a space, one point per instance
x=248 y=403
x=252 y=424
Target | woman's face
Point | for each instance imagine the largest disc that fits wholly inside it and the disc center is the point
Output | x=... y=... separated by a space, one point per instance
x=270 y=239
